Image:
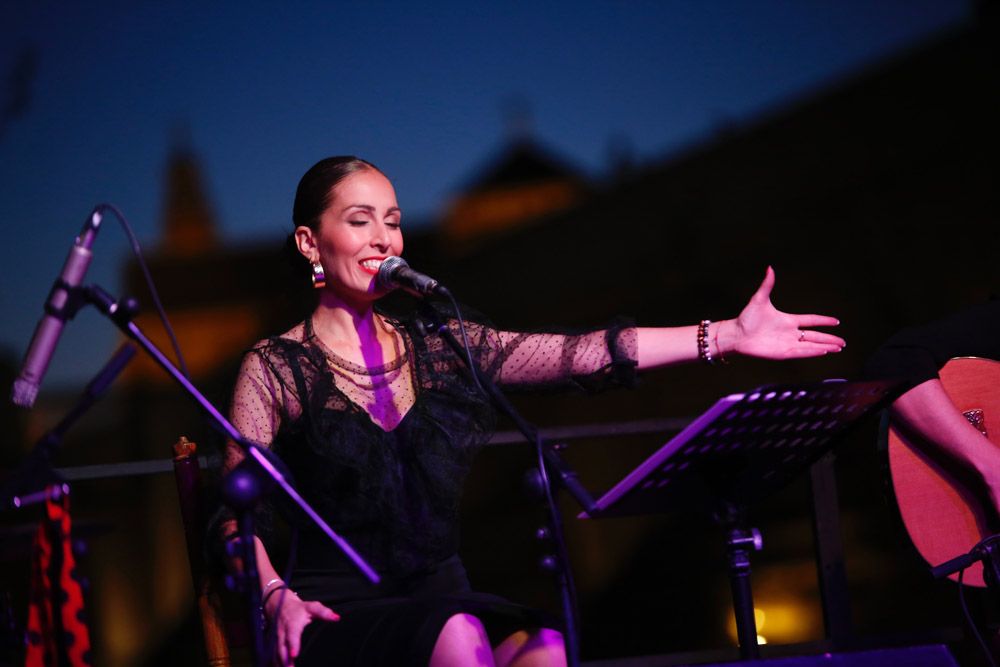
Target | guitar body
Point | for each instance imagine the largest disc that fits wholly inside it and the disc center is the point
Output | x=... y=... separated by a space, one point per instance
x=944 y=516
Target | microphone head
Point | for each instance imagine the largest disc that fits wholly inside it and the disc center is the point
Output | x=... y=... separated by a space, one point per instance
x=386 y=270
x=24 y=393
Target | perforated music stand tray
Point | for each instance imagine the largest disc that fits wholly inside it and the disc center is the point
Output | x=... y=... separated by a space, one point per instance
x=743 y=449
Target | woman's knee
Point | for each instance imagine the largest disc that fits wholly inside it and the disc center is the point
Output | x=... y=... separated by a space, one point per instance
x=462 y=641
x=543 y=647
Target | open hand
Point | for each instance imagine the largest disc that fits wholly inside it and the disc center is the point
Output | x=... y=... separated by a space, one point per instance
x=761 y=330
x=293 y=615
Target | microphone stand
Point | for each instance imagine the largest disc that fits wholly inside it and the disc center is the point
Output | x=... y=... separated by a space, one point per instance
x=987 y=551
x=549 y=462
x=245 y=485
x=37 y=468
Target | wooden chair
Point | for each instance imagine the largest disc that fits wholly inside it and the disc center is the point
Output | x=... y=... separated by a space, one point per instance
x=210 y=608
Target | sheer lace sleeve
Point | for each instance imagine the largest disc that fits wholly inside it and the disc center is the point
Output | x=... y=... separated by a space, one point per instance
x=261 y=400
x=589 y=361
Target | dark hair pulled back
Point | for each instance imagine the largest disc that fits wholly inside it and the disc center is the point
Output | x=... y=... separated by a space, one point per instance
x=312 y=197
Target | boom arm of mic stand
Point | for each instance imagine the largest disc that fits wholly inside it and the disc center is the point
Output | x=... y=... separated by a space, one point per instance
x=121 y=314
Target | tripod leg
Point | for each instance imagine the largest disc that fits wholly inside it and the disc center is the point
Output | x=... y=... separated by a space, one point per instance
x=740 y=542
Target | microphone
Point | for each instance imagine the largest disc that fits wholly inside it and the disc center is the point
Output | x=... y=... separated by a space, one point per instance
x=395 y=272
x=58 y=309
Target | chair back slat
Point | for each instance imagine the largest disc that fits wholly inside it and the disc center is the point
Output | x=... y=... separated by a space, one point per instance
x=191 y=497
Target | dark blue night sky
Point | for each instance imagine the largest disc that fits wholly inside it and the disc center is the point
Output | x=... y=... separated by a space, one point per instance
x=266 y=89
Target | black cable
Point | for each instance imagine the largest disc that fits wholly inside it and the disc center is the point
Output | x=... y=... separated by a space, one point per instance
x=137 y=251
x=558 y=540
x=465 y=344
x=971 y=622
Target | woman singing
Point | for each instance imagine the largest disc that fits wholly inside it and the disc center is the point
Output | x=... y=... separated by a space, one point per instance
x=379 y=424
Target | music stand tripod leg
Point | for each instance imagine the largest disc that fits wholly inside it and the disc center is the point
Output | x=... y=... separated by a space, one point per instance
x=739 y=543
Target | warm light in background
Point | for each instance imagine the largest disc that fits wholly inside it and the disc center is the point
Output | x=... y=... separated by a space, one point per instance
x=779 y=621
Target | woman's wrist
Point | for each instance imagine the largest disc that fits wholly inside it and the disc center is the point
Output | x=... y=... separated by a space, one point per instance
x=269 y=585
x=277 y=596
x=722 y=339
x=275 y=593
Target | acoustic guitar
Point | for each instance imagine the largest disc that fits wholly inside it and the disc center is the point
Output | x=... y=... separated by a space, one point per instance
x=944 y=514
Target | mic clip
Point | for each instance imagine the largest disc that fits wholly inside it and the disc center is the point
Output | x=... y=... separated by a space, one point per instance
x=121 y=312
x=72 y=303
x=428 y=320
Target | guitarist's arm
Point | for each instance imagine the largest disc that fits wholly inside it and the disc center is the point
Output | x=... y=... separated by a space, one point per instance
x=928 y=411
x=916 y=355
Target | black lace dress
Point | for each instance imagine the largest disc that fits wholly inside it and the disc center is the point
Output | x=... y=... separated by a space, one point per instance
x=382 y=452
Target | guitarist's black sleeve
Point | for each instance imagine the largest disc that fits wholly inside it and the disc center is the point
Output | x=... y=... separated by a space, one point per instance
x=917 y=353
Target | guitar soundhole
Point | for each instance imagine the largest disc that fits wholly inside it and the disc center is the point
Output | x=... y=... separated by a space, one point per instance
x=977 y=419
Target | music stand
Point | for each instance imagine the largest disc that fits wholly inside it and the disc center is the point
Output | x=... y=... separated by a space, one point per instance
x=741 y=450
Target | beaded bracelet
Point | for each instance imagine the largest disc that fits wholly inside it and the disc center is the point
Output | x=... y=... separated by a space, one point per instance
x=704 y=353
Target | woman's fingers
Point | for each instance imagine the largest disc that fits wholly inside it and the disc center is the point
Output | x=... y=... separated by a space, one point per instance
x=317 y=610
x=294 y=638
x=283 y=647
x=804 y=321
x=803 y=350
x=763 y=292
x=291 y=627
x=823 y=338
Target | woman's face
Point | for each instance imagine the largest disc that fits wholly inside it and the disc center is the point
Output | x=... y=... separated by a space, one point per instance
x=358 y=230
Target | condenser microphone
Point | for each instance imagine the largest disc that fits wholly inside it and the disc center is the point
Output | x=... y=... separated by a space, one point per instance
x=395 y=272
x=58 y=309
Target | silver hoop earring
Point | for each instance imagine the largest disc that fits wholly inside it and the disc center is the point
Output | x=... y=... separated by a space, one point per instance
x=318 y=275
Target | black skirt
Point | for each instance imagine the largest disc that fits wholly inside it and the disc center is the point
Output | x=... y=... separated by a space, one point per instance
x=397 y=623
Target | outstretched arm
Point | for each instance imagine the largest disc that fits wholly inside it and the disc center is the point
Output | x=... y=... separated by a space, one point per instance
x=760 y=330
